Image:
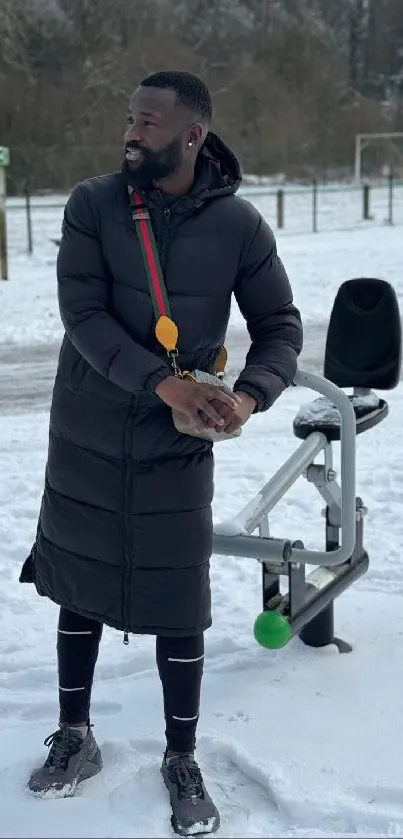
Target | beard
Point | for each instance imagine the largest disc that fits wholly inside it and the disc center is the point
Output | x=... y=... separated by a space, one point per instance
x=153 y=165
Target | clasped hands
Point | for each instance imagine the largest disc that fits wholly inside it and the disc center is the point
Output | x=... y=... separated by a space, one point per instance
x=207 y=405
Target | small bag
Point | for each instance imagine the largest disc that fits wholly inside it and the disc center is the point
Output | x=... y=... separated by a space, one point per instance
x=166 y=330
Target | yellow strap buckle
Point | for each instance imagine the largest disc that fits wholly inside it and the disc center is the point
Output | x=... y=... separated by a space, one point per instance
x=167 y=333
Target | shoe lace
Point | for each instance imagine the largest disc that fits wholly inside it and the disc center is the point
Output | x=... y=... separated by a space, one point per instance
x=63 y=744
x=185 y=773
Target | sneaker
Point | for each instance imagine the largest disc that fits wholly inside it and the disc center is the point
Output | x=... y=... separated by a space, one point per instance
x=73 y=758
x=193 y=811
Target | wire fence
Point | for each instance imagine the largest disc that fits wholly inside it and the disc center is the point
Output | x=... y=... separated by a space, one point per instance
x=33 y=221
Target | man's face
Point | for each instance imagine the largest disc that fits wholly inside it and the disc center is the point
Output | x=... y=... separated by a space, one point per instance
x=156 y=136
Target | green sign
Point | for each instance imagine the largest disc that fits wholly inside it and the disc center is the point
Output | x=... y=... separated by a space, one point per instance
x=4 y=156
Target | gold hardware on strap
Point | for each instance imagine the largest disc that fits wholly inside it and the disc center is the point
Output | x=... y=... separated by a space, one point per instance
x=166 y=332
x=176 y=370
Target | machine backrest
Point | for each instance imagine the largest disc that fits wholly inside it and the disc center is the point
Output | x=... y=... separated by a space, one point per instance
x=363 y=344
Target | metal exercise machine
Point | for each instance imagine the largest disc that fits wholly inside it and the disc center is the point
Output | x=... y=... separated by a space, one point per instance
x=363 y=352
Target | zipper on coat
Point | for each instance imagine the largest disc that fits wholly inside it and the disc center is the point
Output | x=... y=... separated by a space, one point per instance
x=127 y=486
x=127 y=481
x=165 y=237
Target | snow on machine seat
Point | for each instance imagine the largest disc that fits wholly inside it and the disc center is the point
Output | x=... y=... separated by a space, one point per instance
x=322 y=415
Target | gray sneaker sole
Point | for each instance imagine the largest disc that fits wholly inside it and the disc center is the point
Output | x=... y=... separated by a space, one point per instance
x=198 y=828
x=88 y=770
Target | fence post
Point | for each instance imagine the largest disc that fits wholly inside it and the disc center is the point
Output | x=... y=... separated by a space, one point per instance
x=391 y=180
x=366 y=190
x=280 y=208
x=315 y=206
x=29 y=218
x=4 y=161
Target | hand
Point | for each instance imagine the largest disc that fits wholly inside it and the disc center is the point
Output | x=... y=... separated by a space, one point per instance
x=195 y=399
x=235 y=419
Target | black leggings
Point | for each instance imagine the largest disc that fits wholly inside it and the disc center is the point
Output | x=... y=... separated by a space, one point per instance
x=180 y=666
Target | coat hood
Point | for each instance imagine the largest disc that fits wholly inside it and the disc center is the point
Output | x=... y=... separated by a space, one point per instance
x=217 y=169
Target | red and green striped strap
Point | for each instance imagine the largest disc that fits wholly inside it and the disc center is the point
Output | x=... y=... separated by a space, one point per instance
x=149 y=252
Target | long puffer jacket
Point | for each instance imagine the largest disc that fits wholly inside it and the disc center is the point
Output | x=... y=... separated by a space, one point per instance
x=125 y=527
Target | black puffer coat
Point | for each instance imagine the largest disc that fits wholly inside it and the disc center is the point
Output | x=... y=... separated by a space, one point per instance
x=125 y=527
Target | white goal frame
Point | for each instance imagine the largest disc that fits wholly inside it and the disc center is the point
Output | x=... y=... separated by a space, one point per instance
x=364 y=140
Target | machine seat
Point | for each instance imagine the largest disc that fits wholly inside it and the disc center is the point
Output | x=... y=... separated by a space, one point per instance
x=363 y=351
x=322 y=415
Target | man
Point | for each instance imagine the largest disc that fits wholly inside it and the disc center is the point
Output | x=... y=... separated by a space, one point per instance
x=125 y=530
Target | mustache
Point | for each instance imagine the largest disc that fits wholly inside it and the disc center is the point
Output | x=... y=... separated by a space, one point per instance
x=136 y=146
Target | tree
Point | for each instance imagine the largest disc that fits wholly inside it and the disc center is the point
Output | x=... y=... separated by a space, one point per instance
x=292 y=81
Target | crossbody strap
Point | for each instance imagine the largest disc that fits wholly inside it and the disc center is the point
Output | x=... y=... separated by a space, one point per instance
x=166 y=330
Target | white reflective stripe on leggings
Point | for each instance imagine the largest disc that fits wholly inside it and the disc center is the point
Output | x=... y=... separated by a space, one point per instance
x=185 y=719
x=70 y=690
x=186 y=660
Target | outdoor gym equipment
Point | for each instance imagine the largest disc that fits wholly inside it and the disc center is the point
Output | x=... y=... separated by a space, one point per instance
x=363 y=352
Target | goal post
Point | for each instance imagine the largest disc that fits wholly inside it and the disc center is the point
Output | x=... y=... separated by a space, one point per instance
x=362 y=141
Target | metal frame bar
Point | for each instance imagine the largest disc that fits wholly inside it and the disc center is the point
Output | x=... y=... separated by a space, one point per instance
x=318 y=599
x=234 y=537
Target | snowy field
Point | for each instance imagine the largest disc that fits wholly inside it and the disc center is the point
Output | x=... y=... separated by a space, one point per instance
x=339 y=207
x=294 y=743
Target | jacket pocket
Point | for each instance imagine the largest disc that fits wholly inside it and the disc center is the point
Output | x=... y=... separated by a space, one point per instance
x=78 y=373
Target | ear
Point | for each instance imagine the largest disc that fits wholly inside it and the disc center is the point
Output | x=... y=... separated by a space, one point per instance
x=196 y=135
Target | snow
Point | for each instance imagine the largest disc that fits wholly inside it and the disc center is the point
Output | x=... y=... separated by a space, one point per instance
x=322 y=411
x=293 y=743
x=317 y=264
x=236 y=526
x=199 y=827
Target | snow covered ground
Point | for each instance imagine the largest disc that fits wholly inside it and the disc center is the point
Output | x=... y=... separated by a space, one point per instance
x=294 y=743
x=339 y=207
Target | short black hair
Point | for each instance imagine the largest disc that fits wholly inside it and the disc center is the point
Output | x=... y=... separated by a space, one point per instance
x=191 y=91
